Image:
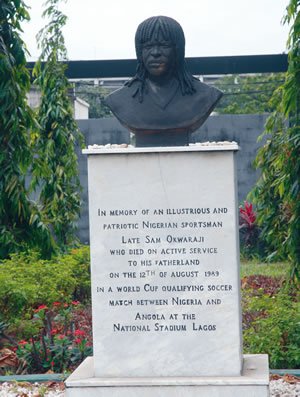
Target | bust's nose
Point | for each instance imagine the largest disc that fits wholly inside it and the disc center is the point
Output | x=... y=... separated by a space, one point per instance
x=155 y=51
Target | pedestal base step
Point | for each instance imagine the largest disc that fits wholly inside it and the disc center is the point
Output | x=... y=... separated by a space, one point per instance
x=253 y=382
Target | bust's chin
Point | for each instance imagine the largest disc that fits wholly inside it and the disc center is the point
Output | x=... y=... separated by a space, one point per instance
x=158 y=71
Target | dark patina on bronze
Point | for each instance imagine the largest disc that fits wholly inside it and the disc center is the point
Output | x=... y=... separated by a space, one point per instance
x=163 y=103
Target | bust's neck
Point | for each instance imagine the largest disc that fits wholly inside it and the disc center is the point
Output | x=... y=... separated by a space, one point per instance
x=161 y=86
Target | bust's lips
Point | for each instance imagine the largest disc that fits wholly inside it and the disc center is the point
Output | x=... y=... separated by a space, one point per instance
x=155 y=63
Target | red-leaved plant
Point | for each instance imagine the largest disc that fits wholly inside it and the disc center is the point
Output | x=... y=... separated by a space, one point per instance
x=63 y=341
x=251 y=245
x=247 y=216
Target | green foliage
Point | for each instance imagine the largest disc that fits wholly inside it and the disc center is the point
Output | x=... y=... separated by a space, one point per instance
x=248 y=94
x=20 y=221
x=273 y=329
x=58 y=342
x=94 y=96
x=56 y=169
x=28 y=281
x=277 y=194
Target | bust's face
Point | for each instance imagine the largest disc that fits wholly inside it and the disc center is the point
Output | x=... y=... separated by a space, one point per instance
x=158 y=57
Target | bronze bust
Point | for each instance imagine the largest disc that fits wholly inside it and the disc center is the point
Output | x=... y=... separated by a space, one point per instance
x=163 y=96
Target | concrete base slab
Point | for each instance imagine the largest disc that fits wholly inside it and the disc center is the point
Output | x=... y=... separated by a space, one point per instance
x=254 y=382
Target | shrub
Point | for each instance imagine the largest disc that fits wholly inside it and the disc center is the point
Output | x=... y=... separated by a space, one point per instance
x=27 y=281
x=252 y=245
x=61 y=341
x=271 y=325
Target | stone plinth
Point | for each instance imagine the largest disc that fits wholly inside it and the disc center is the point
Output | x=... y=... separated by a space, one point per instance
x=165 y=276
x=254 y=382
x=165 y=261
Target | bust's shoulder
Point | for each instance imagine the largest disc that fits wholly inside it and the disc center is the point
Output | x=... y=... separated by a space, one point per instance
x=207 y=90
x=121 y=94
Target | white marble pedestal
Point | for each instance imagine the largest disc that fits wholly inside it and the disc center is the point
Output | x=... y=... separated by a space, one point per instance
x=254 y=382
x=165 y=277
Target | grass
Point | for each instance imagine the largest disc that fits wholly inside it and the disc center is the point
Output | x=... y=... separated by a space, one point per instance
x=249 y=268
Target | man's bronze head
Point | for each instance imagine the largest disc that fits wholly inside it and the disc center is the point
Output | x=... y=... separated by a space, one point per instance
x=161 y=30
x=164 y=33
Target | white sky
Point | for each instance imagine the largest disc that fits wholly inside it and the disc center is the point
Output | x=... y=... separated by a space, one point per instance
x=105 y=29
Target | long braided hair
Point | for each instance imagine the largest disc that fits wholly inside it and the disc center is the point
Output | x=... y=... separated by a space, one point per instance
x=170 y=31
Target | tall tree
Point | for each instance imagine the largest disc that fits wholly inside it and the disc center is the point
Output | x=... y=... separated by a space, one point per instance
x=20 y=223
x=56 y=159
x=277 y=194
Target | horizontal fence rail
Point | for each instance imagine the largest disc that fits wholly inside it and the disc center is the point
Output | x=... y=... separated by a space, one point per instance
x=198 y=66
